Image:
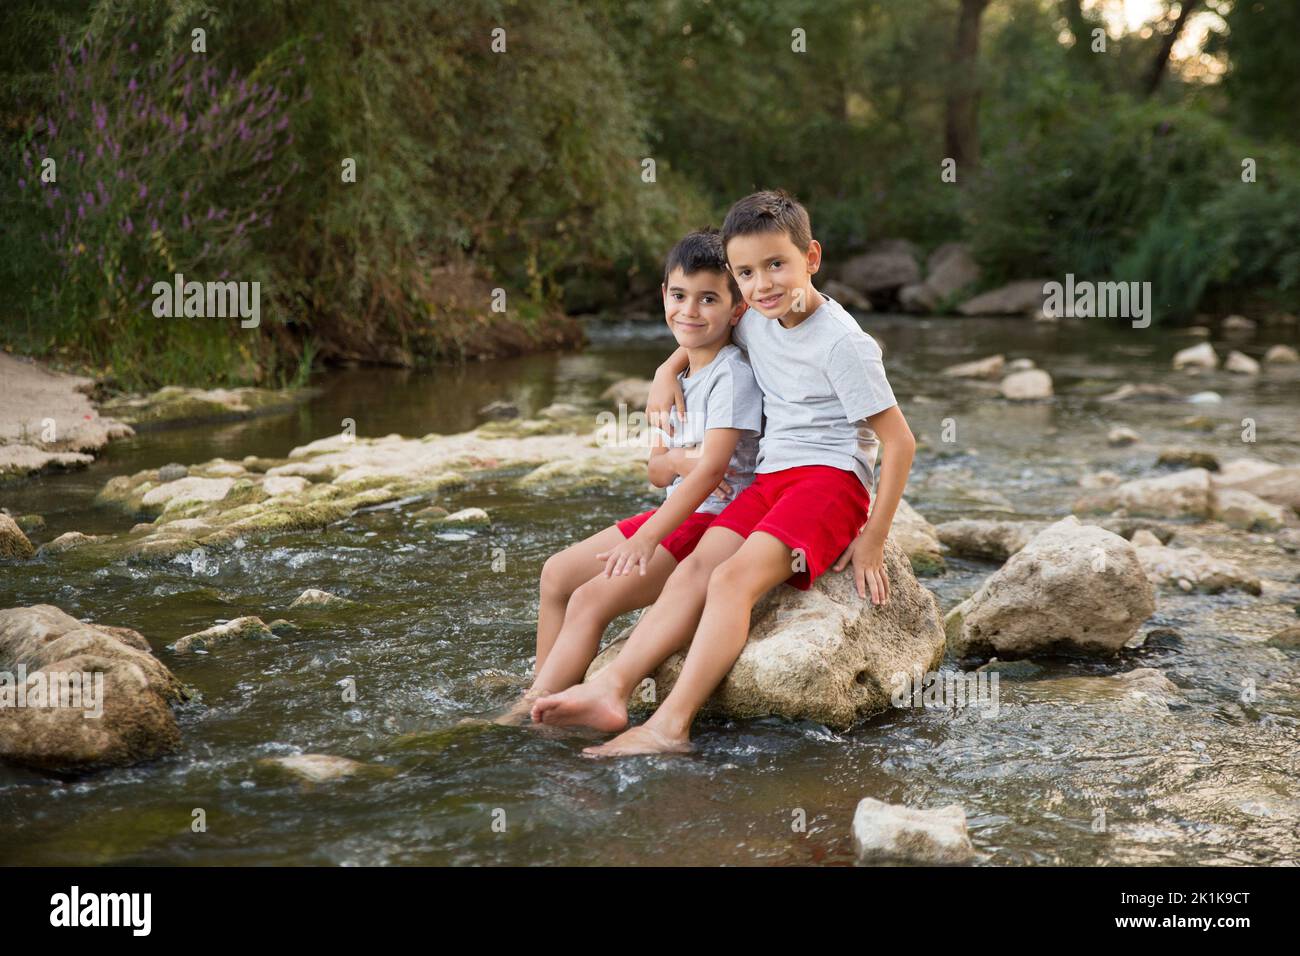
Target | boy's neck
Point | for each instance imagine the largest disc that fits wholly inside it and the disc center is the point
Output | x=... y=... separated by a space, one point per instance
x=812 y=302
x=702 y=356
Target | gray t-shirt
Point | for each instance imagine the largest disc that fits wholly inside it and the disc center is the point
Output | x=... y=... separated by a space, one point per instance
x=723 y=394
x=820 y=379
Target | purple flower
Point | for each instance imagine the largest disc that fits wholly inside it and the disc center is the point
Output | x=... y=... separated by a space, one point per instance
x=22 y=184
x=128 y=227
x=144 y=191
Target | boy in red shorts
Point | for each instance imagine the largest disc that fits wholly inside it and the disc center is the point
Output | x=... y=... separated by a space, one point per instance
x=704 y=463
x=828 y=407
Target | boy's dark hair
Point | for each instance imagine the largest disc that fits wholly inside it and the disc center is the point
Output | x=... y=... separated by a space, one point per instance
x=698 y=251
x=772 y=210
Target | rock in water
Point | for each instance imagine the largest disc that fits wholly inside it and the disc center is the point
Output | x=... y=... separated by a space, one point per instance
x=987 y=540
x=1026 y=386
x=134 y=700
x=1183 y=494
x=824 y=654
x=1073 y=587
x=918 y=539
x=886 y=831
x=14 y=545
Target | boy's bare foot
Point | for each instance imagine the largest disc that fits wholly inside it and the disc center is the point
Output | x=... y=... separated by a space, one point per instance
x=518 y=712
x=639 y=740
x=586 y=705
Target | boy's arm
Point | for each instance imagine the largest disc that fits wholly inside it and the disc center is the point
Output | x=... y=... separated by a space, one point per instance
x=667 y=391
x=868 y=551
x=698 y=484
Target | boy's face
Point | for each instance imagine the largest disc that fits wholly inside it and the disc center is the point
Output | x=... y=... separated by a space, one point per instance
x=698 y=307
x=773 y=275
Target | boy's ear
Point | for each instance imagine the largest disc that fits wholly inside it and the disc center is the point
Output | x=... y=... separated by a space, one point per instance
x=814 y=256
x=737 y=310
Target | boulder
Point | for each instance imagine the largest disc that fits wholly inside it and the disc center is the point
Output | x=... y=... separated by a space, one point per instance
x=1183 y=494
x=126 y=694
x=1029 y=385
x=989 y=368
x=824 y=654
x=884 y=269
x=917 y=538
x=986 y=540
x=1197 y=356
x=1281 y=355
x=1024 y=297
x=845 y=295
x=1073 y=587
x=917 y=297
x=14 y=545
x=1242 y=469
x=1191 y=569
x=886 y=832
x=950 y=269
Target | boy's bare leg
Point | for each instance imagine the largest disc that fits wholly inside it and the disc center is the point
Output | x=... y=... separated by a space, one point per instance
x=602 y=701
x=734 y=587
x=591 y=608
x=563 y=574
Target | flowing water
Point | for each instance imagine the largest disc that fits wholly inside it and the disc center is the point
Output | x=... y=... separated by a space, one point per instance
x=442 y=630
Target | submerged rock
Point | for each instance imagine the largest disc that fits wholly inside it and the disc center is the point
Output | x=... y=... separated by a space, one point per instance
x=116 y=674
x=824 y=654
x=888 y=832
x=316 y=598
x=69 y=540
x=241 y=628
x=1073 y=587
x=321 y=768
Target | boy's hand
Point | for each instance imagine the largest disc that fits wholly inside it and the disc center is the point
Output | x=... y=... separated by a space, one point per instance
x=868 y=556
x=665 y=393
x=625 y=558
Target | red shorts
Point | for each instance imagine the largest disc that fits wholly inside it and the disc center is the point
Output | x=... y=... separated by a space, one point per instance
x=816 y=510
x=682 y=540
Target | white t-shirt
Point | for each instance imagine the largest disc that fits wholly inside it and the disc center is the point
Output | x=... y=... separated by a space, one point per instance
x=723 y=394
x=820 y=379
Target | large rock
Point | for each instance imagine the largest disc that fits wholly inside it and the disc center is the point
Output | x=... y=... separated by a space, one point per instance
x=987 y=540
x=1073 y=587
x=824 y=654
x=918 y=539
x=846 y=296
x=1281 y=355
x=130 y=688
x=884 y=832
x=14 y=545
x=951 y=268
x=1023 y=297
x=1240 y=509
x=632 y=392
x=1183 y=494
x=882 y=270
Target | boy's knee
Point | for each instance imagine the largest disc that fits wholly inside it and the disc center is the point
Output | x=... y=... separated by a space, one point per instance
x=731 y=577
x=554 y=576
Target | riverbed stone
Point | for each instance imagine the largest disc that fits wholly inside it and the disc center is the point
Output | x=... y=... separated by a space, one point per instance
x=991 y=368
x=1281 y=486
x=1028 y=385
x=1183 y=494
x=1022 y=297
x=1201 y=355
x=174 y=405
x=1121 y=435
x=322 y=768
x=69 y=540
x=1191 y=569
x=1180 y=457
x=1142 y=392
x=275 y=485
x=1241 y=509
x=316 y=598
x=886 y=832
x=138 y=692
x=824 y=654
x=1281 y=355
x=219 y=635
x=1240 y=363
x=14 y=545
x=632 y=392
x=172 y=472
x=884 y=269
x=469 y=518
x=1073 y=587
